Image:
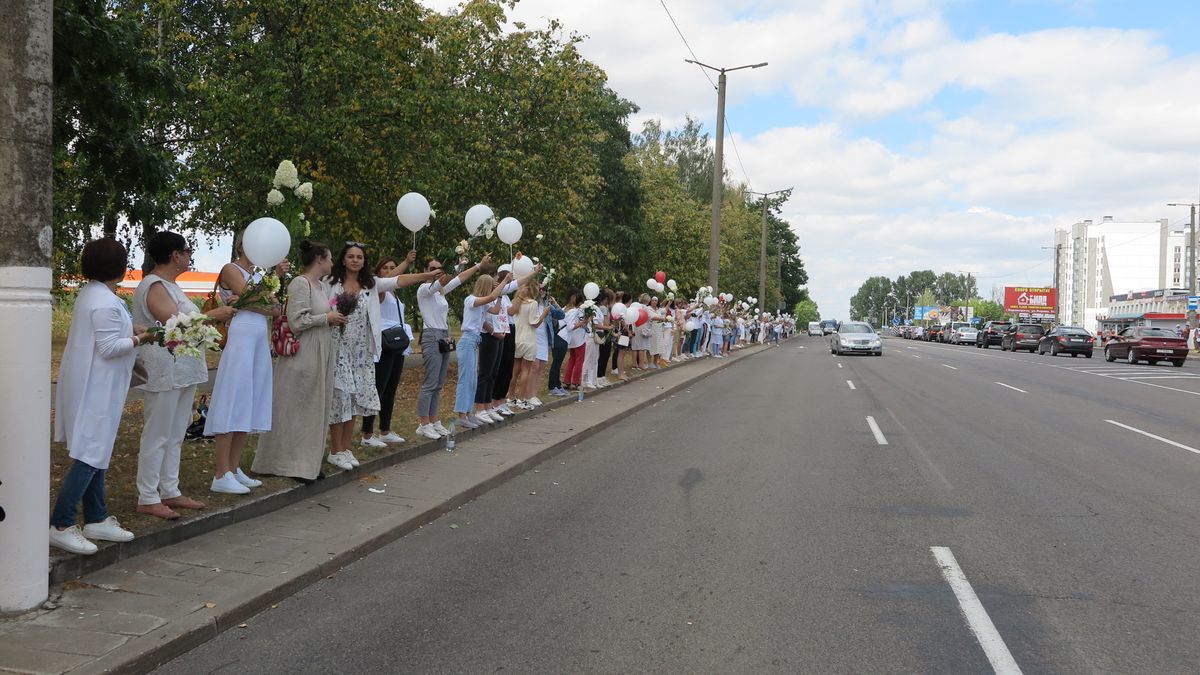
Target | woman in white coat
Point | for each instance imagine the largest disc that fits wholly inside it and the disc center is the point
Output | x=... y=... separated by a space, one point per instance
x=92 y=383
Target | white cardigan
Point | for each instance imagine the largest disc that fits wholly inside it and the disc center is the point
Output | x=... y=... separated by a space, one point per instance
x=371 y=297
x=93 y=379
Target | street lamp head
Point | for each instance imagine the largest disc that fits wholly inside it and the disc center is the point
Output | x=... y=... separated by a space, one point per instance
x=759 y=65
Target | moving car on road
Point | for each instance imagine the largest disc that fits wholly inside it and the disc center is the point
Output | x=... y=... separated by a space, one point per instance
x=964 y=335
x=829 y=326
x=855 y=337
x=1143 y=343
x=1067 y=340
x=991 y=333
x=814 y=327
x=1022 y=336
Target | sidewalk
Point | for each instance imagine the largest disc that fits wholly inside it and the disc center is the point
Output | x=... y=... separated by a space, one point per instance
x=148 y=609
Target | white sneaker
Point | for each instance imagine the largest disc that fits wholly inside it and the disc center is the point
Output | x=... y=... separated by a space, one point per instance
x=391 y=437
x=71 y=539
x=373 y=442
x=469 y=422
x=535 y=402
x=428 y=431
x=108 y=530
x=242 y=478
x=441 y=428
x=483 y=418
x=349 y=457
x=339 y=460
x=494 y=415
x=503 y=409
x=229 y=485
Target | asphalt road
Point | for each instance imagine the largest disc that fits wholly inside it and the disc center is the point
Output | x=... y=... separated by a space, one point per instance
x=756 y=523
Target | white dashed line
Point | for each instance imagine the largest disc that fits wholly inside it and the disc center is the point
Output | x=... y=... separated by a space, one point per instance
x=839 y=365
x=946 y=365
x=1157 y=438
x=915 y=356
x=850 y=384
x=875 y=430
x=1012 y=387
x=977 y=617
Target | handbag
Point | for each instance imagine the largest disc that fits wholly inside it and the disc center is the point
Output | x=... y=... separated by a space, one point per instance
x=623 y=341
x=210 y=303
x=445 y=345
x=395 y=339
x=283 y=340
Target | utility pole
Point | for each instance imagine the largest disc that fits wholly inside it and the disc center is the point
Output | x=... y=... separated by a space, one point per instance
x=714 y=241
x=1191 y=262
x=26 y=41
x=762 y=244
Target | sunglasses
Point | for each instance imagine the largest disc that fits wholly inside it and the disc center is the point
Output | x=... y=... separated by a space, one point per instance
x=359 y=244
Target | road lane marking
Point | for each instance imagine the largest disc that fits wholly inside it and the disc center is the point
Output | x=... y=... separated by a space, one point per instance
x=851 y=384
x=839 y=365
x=1012 y=387
x=949 y=366
x=875 y=430
x=915 y=356
x=1157 y=438
x=977 y=617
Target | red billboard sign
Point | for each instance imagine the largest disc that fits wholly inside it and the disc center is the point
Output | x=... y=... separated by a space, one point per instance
x=1033 y=302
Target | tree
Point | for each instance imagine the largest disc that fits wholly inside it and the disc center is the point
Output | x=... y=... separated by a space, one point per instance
x=806 y=311
x=872 y=297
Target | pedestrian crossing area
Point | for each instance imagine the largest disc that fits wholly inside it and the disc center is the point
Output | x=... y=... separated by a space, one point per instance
x=1126 y=372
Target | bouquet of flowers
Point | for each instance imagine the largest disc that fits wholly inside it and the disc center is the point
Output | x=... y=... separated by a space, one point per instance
x=187 y=334
x=589 y=308
x=345 y=304
x=549 y=275
x=260 y=295
x=290 y=211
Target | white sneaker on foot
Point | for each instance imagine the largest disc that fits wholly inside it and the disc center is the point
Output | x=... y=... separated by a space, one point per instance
x=483 y=418
x=468 y=422
x=427 y=431
x=229 y=485
x=242 y=478
x=71 y=539
x=441 y=428
x=107 y=530
x=349 y=457
x=494 y=415
x=374 y=442
x=391 y=437
x=339 y=460
x=503 y=409
x=535 y=402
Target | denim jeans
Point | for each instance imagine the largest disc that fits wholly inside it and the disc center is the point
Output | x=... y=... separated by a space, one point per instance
x=82 y=483
x=559 y=352
x=468 y=360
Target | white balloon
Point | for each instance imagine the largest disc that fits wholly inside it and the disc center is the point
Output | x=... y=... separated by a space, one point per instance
x=266 y=242
x=509 y=230
x=672 y=285
x=633 y=308
x=522 y=267
x=413 y=211
x=652 y=284
x=618 y=310
x=477 y=215
x=591 y=290
x=710 y=301
x=690 y=325
x=659 y=288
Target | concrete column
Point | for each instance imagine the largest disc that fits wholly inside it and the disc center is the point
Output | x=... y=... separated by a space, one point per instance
x=25 y=230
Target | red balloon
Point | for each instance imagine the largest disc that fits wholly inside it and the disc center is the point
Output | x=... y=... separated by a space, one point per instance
x=643 y=317
x=660 y=277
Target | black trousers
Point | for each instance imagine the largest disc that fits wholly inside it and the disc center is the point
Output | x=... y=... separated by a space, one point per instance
x=504 y=375
x=387 y=377
x=606 y=351
x=558 y=354
x=489 y=363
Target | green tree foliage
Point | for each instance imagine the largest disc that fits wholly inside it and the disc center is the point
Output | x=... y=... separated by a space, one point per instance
x=869 y=303
x=805 y=311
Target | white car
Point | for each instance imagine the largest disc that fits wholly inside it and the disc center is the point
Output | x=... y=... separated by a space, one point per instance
x=855 y=337
x=814 y=328
x=964 y=335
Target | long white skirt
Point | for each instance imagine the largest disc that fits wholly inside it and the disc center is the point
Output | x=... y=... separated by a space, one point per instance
x=241 y=395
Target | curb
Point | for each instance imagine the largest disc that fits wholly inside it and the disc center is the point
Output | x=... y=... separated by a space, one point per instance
x=168 y=648
x=68 y=567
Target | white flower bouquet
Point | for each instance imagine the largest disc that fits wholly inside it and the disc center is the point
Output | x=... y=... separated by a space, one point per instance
x=290 y=211
x=188 y=334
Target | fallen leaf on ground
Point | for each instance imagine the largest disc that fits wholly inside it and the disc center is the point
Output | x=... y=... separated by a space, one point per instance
x=454 y=526
x=210 y=605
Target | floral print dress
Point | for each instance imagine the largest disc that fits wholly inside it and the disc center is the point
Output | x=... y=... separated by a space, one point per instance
x=354 y=392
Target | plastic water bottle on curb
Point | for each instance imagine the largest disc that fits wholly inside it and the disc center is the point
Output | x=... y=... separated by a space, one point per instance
x=450 y=442
x=580 y=399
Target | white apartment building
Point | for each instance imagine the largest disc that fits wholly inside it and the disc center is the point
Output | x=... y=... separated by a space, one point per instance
x=1099 y=260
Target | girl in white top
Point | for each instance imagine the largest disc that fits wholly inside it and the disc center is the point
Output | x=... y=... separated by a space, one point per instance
x=241 y=396
x=389 y=365
x=93 y=381
x=479 y=310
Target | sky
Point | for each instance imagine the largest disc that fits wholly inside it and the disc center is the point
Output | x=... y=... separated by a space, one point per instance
x=952 y=135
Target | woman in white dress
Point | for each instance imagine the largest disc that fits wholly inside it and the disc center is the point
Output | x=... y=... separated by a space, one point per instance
x=93 y=381
x=241 y=395
x=356 y=345
x=170 y=381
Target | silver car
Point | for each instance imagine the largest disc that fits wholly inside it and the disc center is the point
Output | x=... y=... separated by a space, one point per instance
x=964 y=335
x=855 y=337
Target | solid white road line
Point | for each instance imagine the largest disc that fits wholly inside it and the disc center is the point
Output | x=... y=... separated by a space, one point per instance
x=977 y=617
x=850 y=384
x=1157 y=438
x=875 y=430
x=949 y=366
x=1012 y=387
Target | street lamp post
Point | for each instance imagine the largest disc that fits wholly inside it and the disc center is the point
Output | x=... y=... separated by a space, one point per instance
x=762 y=246
x=714 y=242
x=1191 y=262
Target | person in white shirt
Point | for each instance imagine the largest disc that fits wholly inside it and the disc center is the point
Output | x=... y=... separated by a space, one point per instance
x=479 y=313
x=93 y=381
x=436 y=344
x=389 y=363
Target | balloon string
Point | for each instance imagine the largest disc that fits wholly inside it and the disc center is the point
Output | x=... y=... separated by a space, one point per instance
x=510 y=253
x=414 y=246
